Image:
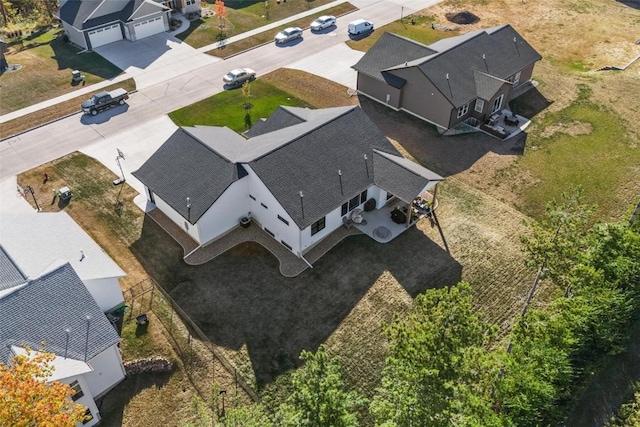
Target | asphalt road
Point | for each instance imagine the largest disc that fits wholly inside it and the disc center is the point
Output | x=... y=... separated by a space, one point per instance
x=77 y=132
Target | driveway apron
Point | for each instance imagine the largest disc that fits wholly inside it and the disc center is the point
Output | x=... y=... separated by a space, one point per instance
x=154 y=59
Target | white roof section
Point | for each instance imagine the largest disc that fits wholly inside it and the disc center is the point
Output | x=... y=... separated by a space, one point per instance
x=62 y=367
x=38 y=242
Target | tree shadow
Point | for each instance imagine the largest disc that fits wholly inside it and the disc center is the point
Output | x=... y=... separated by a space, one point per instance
x=447 y=155
x=112 y=405
x=240 y=298
x=630 y=3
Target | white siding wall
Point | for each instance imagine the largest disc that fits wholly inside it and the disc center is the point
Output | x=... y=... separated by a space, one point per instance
x=175 y=216
x=106 y=292
x=226 y=212
x=268 y=216
x=193 y=7
x=86 y=400
x=107 y=371
x=333 y=220
x=74 y=35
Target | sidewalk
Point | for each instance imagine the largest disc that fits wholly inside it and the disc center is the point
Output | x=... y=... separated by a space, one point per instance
x=96 y=87
x=269 y=26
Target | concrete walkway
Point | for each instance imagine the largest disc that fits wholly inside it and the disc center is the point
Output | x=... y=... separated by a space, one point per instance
x=185 y=26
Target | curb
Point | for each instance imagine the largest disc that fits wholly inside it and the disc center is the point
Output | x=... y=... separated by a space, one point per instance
x=47 y=123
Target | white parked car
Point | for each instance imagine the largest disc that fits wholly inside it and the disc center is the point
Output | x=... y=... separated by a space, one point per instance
x=323 y=22
x=238 y=76
x=288 y=34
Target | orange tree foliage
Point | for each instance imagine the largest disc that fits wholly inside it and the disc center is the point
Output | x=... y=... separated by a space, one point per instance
x=27 y=399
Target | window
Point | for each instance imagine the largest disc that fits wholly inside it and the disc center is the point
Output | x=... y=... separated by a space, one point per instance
x=88 y=416
x=353 y=203
x=252 y=198
x=318 y=226
x=286 y=245
x=497 y=104
x=479 y=105
x=264 y=206
x=463 y=110
x=516 y=79
x=283 y=220
x=345 y=209
x=270 y=232
x=77 y=391
x=363 y=196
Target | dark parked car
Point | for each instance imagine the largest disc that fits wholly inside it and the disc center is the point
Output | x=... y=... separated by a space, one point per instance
x=103 y=100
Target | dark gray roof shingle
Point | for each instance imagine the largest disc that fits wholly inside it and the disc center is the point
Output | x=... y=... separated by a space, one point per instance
x=186 y=167
x=498 y=51
x=486 y=85
x=280 y=119
x=42 y=310
x=10 y=274
x=389 y=51
x=401 y=177
x=85 y=14
x=310 y=164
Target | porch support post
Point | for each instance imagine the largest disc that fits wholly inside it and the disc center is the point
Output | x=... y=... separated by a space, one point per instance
x=408 y=215
x=435 y=192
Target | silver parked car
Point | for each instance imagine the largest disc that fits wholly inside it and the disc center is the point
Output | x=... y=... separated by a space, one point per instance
x=288 y=34
x=238 y=76
x=323 y=22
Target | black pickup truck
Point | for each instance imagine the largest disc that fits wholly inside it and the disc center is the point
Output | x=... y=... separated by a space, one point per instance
x=103 y=100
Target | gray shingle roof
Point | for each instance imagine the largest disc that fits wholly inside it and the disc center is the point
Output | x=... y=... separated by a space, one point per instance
x=10 y=274
x=186 y=167
x=45 y=308
x=304 y=156
x=389 y=51
x=280 y=119
x=486 y=85
x=457 y=57
x=35 y=241
x=401 y=177
x=85 y=14
x=310 y=164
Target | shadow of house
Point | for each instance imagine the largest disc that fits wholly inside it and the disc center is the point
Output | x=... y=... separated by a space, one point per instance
x=112 y=405
x=530 y=103
x=67 y=58
x=446 y=155
x=631 y=3
x=239 y=298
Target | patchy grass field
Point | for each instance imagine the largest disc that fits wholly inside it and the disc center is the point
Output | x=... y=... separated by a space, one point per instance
x=228 y=108
x=57 y=111
x=243 y=16
x=267 y=36
x=47 y=63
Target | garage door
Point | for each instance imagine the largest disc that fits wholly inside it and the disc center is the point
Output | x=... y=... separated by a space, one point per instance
x=105 y=35
x=149 y=28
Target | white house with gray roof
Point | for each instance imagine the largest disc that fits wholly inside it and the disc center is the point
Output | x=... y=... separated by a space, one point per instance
x=298 y=175
x=55 y=311
x=40 y=242
x=451 y=81
x=93 y=23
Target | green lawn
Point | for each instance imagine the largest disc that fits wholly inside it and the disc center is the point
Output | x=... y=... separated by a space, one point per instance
x=267 y=36
x=243 y=16
x=420 y=31
x=47 y=63
x=588 y=148
x=227 y=108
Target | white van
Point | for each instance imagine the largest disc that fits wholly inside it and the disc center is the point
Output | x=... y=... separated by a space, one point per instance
x=359 y=26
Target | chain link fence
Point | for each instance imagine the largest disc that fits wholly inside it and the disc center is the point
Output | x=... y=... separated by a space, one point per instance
x=203 y=363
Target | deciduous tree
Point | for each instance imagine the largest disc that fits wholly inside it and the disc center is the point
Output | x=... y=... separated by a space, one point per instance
x=28 y=399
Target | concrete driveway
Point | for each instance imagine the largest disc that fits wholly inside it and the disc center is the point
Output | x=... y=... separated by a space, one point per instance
x=155 y=59
x=137 y=145
x=333 y=63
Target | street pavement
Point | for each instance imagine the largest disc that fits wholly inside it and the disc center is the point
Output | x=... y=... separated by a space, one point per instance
x=322 y=54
